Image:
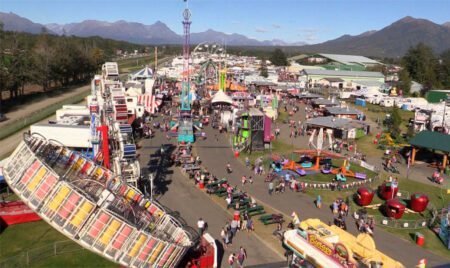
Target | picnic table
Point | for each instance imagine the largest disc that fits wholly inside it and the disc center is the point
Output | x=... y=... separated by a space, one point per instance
x=253 y=211
x=271 y=219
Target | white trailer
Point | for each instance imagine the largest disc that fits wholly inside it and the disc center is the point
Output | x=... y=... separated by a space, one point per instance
x=72 y=136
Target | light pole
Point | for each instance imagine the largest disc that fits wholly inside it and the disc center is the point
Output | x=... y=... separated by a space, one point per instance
x=151 y=178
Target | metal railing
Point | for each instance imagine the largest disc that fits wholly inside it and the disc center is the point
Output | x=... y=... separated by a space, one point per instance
x=28 y=257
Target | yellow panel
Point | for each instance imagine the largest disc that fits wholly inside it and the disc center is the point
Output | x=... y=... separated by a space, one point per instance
x=82 y=213
x=137 y=246
x=130 y=194
x=37 y=178
x=58 y=199
x=109 y=232
x=156 y=253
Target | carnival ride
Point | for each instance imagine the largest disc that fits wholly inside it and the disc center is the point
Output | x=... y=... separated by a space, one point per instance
x=322 y=245
x=393 y=207
x=94 y=206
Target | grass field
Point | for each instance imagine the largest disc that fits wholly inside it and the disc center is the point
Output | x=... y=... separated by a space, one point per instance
x=38 y=239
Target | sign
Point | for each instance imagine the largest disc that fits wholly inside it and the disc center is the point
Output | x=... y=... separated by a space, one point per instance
x=316 y=242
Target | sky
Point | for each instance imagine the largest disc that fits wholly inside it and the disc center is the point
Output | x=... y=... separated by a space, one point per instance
x=311 y=21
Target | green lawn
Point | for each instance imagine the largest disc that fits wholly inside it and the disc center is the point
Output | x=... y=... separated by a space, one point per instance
x=39 y=236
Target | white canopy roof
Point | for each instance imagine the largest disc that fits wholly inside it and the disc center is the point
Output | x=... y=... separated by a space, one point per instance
x=220 y=96
x=144 y=73
x=367 y=92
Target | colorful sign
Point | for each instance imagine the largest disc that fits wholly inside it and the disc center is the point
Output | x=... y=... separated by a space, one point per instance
x=320 y=245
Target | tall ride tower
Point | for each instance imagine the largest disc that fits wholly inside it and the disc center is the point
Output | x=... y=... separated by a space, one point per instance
x=185 y=124
x=186 y=84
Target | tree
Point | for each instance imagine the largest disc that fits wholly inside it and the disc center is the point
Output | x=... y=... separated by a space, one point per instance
x=278 y=58
x=263 y=69
x=3 y=68
x=422 y=65
x=42 y=58
x=444 y=69
x=405 y=82
x=396 y=121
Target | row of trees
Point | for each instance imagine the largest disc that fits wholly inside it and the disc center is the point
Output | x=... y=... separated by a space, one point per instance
x=421 y=64
x=50 y=61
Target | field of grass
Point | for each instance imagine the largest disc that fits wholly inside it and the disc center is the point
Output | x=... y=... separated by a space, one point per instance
x=38 y=238
x=376 y=112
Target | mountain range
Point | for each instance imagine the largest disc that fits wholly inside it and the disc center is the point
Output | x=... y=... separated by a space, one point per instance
x=391 y=41
x=157 y=33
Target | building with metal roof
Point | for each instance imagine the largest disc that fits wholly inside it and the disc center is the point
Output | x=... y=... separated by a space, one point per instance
x=343 y=112
x=342 y=127
x=350 y=59
x=314 y=76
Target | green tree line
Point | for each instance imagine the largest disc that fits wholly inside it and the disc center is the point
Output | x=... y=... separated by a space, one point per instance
x=422 y=64
x=51 y=61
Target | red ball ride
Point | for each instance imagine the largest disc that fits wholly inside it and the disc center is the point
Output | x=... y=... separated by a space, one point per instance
x=419 y=202
x=387 y=191
x=364 y=196
x=394 y=208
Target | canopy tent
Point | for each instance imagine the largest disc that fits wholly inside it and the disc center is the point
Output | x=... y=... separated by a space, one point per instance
x=142 y=74
x=221 y=97
x=431 y=140
x=366 y=92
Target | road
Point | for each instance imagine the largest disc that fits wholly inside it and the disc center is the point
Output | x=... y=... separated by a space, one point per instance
x=181 y=195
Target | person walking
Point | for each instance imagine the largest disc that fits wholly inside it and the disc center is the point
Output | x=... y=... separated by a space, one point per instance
x=270 y=188
x=233 y=227
x=201 y=226
x=319 y=202
x=242 y=256
x=231 y=259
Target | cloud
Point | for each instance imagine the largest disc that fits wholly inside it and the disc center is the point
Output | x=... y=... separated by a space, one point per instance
x=261 y=30
x=276 y=26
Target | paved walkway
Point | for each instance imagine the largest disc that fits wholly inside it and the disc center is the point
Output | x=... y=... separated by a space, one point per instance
x=216 y=153
x=181 y=195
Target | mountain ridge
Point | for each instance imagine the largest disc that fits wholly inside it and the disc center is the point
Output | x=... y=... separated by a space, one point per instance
x=156 y=33
x=391 y=41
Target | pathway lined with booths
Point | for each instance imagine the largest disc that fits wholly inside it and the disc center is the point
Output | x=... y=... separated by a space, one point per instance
x=179 y=193
x=216 y=153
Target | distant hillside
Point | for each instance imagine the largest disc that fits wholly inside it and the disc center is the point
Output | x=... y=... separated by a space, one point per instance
x=391 y=41
x=13 y=22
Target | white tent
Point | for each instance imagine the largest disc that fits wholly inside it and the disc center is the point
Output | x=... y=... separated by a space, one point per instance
x=142 y=74
x=366 y=92
x=221 y=97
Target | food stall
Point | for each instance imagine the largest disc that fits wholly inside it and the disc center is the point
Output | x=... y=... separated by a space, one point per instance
x=317 y=244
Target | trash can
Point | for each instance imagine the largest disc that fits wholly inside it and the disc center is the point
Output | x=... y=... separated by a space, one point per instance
x=236 y=215
x=420 y=239
x=201 y=185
